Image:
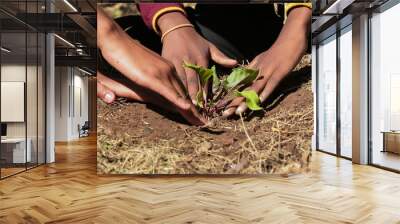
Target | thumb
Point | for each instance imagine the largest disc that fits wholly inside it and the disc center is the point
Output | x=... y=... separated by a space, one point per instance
x=105 y=93
x=221 y=58
x=109 y=86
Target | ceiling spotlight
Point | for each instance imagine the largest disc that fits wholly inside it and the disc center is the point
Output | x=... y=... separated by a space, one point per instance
x=80 y=51
x=5 y=50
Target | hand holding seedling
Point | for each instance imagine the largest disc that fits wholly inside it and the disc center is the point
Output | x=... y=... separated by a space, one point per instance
x=275 y=63
x=224 y=89
x=185 y=44
x=154 y=77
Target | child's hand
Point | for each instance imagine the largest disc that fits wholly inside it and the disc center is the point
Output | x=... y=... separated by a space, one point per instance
x=186 y=45
x=153 y=75
x=275 y=63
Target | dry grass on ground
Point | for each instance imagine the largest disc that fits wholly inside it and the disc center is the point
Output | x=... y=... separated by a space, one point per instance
x=136 y=139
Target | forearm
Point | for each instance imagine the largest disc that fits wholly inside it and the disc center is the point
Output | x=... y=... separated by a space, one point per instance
x=296 y=27
x=120 y=50
x=151 y=12
x=108 y=32
x=172 y=19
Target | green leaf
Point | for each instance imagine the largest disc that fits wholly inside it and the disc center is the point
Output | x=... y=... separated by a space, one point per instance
x=204 y=73
x=240 y=75
x=216 y=82
x=199 y=99
x=252 y=100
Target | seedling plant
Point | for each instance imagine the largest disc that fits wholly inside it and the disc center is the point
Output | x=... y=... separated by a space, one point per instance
x=224 y=89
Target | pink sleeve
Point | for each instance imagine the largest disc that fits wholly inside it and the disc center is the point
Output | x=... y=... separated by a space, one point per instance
x=151 y=11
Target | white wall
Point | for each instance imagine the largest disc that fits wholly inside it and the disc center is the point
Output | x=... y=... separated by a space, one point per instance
x=80 y=102
x=70 y=83
x=33 y=126
x=62 y=81
x=12 y=73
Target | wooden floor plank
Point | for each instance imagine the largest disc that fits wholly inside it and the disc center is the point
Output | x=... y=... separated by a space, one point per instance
x=69 y=191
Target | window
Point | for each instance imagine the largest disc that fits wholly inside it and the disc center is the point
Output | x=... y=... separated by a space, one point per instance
x=385 y=89
x=346 y=73
x=15 y=146
x=326 y=101
x=22 y=101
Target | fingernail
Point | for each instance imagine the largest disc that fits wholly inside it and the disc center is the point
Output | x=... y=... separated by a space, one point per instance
x=109 y=97
x=228 y=112
x=262 y=98
x=186 y=105
x=240 y=109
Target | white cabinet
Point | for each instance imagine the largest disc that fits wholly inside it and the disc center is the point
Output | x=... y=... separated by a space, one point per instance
x=17 y=147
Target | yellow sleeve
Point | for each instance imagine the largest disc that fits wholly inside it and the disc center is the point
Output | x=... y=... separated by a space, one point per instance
x=290 y=6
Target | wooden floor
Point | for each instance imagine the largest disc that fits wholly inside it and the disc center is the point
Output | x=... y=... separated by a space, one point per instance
x=10 y=171
x=69 y=191
x=387 y=159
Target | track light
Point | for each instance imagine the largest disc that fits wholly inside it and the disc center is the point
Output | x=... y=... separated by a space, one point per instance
x=5 y=50
x=337 y=7
x=65 y=41
x=70 y=5
x=84 y=71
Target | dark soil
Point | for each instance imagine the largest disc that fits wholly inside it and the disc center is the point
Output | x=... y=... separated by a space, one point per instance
x=135 y=138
